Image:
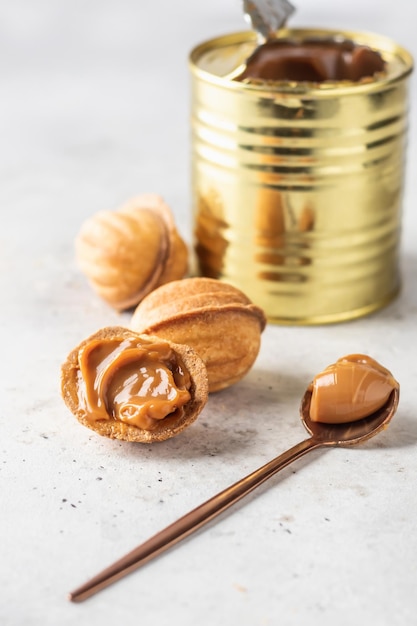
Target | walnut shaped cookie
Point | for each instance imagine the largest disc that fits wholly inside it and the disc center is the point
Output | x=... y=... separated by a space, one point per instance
x=139 y=388
x=216 y=319
x=128 y=252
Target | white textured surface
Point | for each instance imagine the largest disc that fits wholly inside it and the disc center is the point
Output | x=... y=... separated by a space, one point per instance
x=92 y=112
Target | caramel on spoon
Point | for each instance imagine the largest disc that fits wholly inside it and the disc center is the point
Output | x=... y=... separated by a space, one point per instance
x=322 y=434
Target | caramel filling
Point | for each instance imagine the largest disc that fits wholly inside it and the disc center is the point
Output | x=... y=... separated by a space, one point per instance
x=312 y=61
x=136 y=382
x=352 y=388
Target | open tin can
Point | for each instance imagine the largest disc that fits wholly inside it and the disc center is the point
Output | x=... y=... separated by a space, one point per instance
x=298 y=186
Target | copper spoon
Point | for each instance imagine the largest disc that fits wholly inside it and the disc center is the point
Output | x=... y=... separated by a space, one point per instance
x=322 y=434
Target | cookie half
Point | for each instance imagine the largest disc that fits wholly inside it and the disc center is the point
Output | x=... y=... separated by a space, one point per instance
x=128 y=386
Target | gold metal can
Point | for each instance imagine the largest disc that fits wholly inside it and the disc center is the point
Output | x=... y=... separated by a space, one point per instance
x=297 y=187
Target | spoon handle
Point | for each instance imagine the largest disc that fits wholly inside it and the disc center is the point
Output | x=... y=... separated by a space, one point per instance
x=190 y=522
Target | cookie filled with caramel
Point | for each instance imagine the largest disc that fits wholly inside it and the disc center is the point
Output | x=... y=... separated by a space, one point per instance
x=124 y=385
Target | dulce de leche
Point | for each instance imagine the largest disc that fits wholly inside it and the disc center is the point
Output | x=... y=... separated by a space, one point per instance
x=351 y=389
x=312 y=61
x=134 y=381
x=127 y=386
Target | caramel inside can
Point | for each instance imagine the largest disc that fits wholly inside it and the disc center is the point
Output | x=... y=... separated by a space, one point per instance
x=297 y=187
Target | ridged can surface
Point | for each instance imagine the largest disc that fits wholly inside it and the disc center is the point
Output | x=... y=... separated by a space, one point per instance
x=297 y=188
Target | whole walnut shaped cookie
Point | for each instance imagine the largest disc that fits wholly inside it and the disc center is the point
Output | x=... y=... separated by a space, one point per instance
x=216 y=319
x=128 y=252
x=137 y=388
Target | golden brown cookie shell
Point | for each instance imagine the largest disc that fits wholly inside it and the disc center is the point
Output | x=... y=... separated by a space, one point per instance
x=127 y=253
x=216 y=319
